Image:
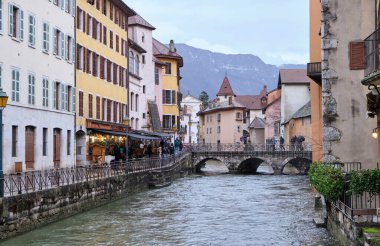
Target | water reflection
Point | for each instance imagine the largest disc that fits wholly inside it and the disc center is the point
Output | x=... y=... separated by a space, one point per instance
x=199 y=210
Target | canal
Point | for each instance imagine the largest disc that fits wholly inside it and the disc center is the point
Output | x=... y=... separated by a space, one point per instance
x=197 y=210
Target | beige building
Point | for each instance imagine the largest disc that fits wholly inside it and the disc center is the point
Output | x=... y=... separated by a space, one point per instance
x=227 y=119
x=346 y=129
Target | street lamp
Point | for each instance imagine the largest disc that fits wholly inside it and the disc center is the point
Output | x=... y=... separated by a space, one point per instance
x=3 y=104
x=126 y=123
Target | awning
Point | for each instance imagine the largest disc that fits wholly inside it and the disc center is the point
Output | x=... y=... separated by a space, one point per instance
x=132 y=135
x=156 y=134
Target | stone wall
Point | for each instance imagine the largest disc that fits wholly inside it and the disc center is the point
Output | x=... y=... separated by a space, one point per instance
x=26 y=212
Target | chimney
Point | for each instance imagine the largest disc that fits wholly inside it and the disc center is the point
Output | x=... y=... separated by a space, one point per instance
x=171 y=46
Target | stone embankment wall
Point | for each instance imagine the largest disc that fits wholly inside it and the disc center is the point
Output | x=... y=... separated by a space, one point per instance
x=26 y=212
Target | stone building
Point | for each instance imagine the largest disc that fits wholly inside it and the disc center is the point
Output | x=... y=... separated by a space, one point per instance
x=346 y=129
x=37 y=58
x=299 y=124
x=272 y=112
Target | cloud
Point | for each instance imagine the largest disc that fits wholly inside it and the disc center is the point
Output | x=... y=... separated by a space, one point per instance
x=285 y=58
x=204 y=44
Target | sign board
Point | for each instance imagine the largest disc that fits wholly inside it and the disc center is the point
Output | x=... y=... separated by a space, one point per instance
x=377 y=211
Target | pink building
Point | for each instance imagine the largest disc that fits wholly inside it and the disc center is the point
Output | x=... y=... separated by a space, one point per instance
x=273 y=115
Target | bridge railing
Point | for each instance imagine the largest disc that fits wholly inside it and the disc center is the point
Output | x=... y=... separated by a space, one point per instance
x=31 y=181
x=200 y=147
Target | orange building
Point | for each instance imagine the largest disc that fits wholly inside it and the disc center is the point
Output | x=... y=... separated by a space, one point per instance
x=315 y=73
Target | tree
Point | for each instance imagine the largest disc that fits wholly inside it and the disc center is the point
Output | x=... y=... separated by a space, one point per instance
x=204 y=98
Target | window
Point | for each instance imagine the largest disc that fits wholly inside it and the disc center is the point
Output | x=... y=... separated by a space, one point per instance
x=90 y=106
x=64 y=97
x=14 y=141
x=144 y=89
x=15 y=85
x=104 y=35
x=118 y=75
x=81 y=103
x=218 y=129
x=97 y=65
x=45 y=37
x=238 y=116
x=238 y=129
x=117 y=43
x=143 y=38
x=98 y=4
x=143 y=59
x=68 y=142
x=137 y=65
x=168 y=68
x=131 y=62
x=80 y=24
x=44 y=141
x=111 y=72
x=168 y=97
x=219 y=117
x=58 y=43
x=168 y=121
x=105 y=69
x=31 y=88
x=69 y=48
x=137 y=102
x=157 y=76
x=15 y=22
x=1 y=73
x=55 y=95
x=89 y=24
x=45 y=92
x=1 y=16
x=131 y=100
x=32 y=30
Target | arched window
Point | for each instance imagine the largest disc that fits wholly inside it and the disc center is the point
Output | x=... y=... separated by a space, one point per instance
x=137 y=124
x=137 y=102
x=131 y=62
x=137 y=65
x=132 y=122
x=143 y=38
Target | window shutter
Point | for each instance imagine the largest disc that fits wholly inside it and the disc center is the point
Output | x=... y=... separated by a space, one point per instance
x=73 y=8
x=73 y=99
x=62 y=45
x=21 y=25
x=104 y=35
x=66 y=47
x=100 y=32
x=77 y=60
x=102 y=67
x=10 y=19
x=94 y=22
x=114 y=74
x=55 y=41
x=88 y=61
x=73 y=55
x=173 y=97
x=78 y=18
x=94 y=67
x=164 y=96
x=84 y=21
x=357 y=55
x=80 y=103
x=120 y=76
x=88 y=24
x=109 y=71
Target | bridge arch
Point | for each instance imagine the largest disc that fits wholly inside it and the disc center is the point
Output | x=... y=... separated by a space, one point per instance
x=250 y=165
x=300 y=163
x=201 y=163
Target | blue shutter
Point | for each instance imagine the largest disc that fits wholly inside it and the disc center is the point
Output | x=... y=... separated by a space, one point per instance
x=10 y=20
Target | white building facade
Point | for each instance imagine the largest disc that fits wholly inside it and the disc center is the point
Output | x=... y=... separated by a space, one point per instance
x=295 y=93
x=37 y=57
x=190 y=120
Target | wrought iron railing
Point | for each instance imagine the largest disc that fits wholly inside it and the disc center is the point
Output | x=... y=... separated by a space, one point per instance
x=27 y=182
x=372 y=53
x=249 y=147
x=314 y=69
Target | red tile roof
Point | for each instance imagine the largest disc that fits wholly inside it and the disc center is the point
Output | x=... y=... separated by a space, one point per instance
x=137 y=20
x=293 y=76
x=161 y=50
x=225 y=88
x=253 y=102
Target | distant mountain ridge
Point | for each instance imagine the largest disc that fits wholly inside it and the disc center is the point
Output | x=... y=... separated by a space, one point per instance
x=205 y=70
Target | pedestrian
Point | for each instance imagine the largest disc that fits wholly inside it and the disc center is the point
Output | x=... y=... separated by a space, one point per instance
x=176 y=145
x=149 y=150
x=171 y=149
x=282 y=140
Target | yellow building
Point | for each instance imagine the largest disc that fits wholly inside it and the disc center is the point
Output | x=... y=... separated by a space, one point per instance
x=101 y=77
x=171 y=96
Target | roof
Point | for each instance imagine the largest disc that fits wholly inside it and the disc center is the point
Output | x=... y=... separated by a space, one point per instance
x=218 y=106
x=257 y=123
x=225 y=88
x=162 y=51
x=293 y=76
x=303 y=112
x=253 y=102
x=137 y=20
x=120 y=4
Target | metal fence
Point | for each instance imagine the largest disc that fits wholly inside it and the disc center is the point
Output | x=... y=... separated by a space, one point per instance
x=249 y=147
x=31 y=181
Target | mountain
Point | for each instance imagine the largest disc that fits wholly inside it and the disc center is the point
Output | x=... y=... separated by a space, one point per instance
x=205 y=70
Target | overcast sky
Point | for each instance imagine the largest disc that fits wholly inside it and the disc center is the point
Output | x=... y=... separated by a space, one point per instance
x=275 y=30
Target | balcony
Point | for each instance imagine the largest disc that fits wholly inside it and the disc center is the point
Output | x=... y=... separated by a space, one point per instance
x=314 y=71
x=372 y=59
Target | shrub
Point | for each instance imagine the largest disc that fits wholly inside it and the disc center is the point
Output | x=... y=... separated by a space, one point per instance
x=327 y=180
x=365 y=181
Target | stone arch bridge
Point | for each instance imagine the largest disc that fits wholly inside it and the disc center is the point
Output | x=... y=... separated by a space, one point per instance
x=245 y=159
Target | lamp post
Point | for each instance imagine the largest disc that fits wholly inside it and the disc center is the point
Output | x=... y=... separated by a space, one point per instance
x=3 y=104
x=126 y=123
